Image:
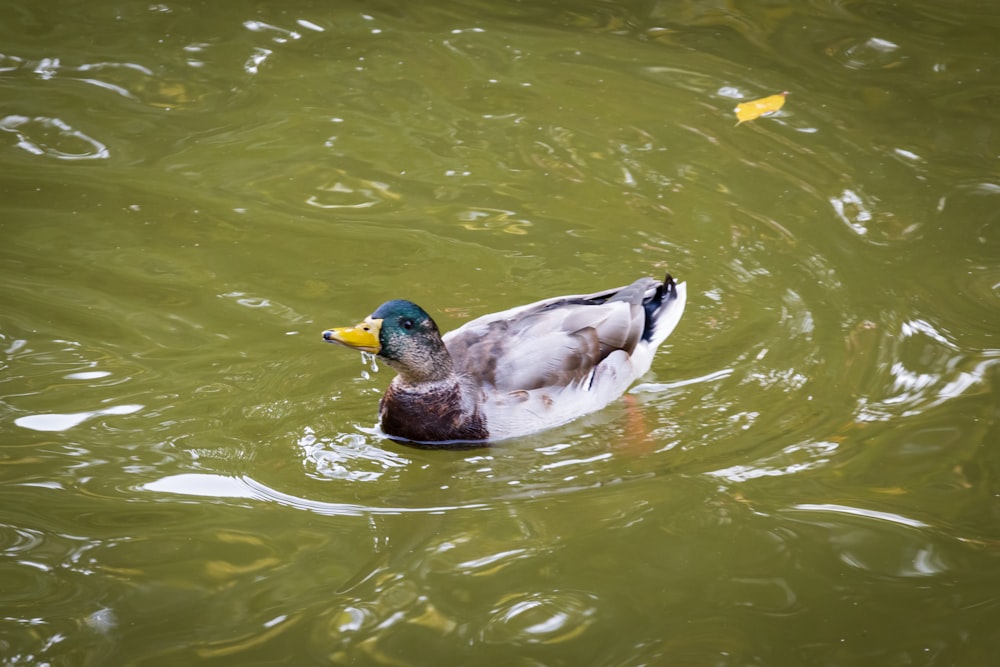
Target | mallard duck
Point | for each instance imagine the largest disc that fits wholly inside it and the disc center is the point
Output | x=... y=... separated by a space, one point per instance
x=517 y=371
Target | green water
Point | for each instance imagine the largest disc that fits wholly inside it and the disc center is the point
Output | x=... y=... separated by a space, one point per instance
x=191 y=192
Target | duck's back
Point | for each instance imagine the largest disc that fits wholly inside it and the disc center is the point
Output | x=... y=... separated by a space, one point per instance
x=554 y=360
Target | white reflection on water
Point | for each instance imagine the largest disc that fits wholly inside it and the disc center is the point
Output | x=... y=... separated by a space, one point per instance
x=209 y=485
x=656 y=387
x=853 y=211
x=817 y=455
x=913 y=327
x=87 y=375
x=862 y=512
x=309 y=25
x=201 y=484
x=569 y=462
x=492 y=559
x=279 y=35
x=64 y=422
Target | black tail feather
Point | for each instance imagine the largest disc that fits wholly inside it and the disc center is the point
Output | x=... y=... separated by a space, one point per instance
x=665 y=292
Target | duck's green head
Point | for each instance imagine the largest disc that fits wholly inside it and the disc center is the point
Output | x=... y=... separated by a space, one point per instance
x=403 y=334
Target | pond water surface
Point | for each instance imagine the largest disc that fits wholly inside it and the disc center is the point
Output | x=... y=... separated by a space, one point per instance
x=190 y=193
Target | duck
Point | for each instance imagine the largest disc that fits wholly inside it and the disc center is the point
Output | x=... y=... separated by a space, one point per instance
x=517 y=371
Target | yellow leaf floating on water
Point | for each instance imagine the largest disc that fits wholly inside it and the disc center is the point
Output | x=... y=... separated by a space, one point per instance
x=756 y=108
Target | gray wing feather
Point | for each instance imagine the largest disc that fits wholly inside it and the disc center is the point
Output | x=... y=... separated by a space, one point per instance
x=556 y=342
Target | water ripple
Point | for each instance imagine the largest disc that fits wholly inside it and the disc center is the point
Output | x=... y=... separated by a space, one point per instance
x=540 y=618
x=348 y=457
x=927 y=368
x=15 y=539
x=52 y=137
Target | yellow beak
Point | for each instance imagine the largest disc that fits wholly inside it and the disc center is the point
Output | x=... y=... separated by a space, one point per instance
x=362 y=336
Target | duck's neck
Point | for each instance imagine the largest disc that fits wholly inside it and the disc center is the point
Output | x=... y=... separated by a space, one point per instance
x=425 y=366
x=431 y=412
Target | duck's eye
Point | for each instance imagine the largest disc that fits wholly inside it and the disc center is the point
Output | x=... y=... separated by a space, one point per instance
x=407 y=324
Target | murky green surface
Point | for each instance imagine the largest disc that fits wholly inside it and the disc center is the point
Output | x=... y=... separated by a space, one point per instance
x=190 y=193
